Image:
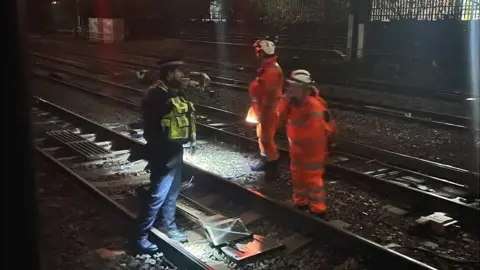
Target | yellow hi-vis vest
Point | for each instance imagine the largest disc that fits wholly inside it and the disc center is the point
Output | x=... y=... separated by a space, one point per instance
x=180 y=121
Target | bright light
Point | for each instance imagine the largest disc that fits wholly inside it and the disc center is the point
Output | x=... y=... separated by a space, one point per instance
x=252 y=120
x=55 y=3
x=252 y=116
x=471 y=99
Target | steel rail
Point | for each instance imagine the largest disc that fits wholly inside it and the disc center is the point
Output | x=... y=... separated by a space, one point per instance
x=380 y=86
x=458 y=175
x=359 y=83
x=424 y=117
x=178 y=255
x=419 y=196
x=379 y=255
x=467 y=213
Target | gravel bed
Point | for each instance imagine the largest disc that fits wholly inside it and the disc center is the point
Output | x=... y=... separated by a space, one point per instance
x=81 y=103
x=221 y=159
x=368 y=207
x=451 y=147
x=81 y=236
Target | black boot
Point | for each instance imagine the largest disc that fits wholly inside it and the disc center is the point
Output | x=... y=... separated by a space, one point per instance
x=272 y=171
x=322 y=215
x=301 y=207
x=259 y=166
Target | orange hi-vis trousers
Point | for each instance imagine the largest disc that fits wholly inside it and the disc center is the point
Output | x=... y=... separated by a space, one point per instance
x=308 y=187
x=266 y=130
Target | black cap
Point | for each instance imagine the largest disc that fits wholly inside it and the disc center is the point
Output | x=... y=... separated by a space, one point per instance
x=173 y=62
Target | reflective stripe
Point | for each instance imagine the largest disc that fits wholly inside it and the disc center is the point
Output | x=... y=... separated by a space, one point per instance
x=255 y=100
x=302 y=121
x=309 y=166
x=300 y=194
x=316 y=114
x=316 y=190
x=317 y=198
x=297 y=123
x=180 y=105
x=305 y=141
x=180 y=121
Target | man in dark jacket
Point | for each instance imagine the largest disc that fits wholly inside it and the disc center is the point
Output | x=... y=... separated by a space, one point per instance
x=169 y=120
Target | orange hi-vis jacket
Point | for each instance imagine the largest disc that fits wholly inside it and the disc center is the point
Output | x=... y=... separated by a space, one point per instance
x=307 y=129
x=329 y=123
x=307 y=133
x=265 y=92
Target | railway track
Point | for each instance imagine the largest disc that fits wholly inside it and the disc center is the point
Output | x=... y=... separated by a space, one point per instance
x=360 y=83
x=458 y=175
x=396 y=180
x=383 y=86
x=98 y=158
x=72 y=232
x=93 y=154
x=429 y=118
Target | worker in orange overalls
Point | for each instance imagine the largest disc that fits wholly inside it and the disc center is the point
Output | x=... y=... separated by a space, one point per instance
x=308 y=129
x=265 y=94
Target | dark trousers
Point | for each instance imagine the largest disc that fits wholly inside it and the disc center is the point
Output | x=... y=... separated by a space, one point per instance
x=161 y=197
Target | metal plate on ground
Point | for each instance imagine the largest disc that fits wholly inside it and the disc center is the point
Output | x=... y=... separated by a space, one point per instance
x=295 y=242
x=85 y=148
x=222 y=230
x=250 y=217
x=251 y=248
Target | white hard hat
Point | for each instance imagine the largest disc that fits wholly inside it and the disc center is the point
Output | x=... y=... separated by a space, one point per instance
x=265 y=46
x=300 y=76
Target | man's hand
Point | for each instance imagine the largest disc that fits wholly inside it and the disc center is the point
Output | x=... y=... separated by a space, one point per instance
x=206 y=80
x=141 y=74
x=199 y=79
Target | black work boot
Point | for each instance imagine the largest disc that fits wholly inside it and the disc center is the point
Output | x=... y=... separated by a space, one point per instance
x=301 y=207
x=272 y=171
x=259 y=166
x=322 y=215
